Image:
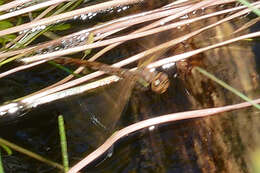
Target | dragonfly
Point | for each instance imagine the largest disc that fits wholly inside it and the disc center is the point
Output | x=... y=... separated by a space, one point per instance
x=158 y=82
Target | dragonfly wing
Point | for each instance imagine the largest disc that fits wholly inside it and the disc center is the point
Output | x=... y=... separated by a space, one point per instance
x=117 y=100
x=104 y=109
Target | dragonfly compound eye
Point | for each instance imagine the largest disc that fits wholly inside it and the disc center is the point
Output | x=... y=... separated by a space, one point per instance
x=160 y=83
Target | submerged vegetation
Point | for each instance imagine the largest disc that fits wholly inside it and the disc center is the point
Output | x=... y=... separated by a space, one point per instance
x=48 y=54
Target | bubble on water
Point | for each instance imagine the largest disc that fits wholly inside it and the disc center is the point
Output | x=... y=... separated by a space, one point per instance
x=76 y=40
x=125 y=7
x=83 y=16
x=75 y=17
x=162 y=23
x=122 y=8
x=44 y=52
x=2 y=113
x=169 y=65
x=151 y=128
x=90 y=15
x=70 y=41
x=34 y=29
x=203 y=9
x=57 y=48
x=37 y=28
x=50 y=49
x=58 y=21
x=42 y=27
x=24 y=5
x=24 y=31
x=12 y=109
x=64 y=44
x=152 y=69
x=82 y=37
x=184 y=17
x=110 y=151
x=39 y=51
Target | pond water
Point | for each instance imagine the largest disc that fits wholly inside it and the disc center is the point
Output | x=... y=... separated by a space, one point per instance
x=223 y=143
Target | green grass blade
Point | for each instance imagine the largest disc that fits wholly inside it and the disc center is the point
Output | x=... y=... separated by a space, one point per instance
x=29 y=153
x=244 y=97
x=63 y=143
x=1 y=164
x=246 y=3
x=63 y=68
x=7 y=149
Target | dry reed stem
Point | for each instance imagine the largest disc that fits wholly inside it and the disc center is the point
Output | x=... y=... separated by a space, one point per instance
x=185 y=55
x=131 y=59
x=12 y=4
x=123 y=38
x=42 y=96
x=67 y=15
x=135 y=19
x=100 y=29
x=247 y=25
x=29 y=9
x=37 y=18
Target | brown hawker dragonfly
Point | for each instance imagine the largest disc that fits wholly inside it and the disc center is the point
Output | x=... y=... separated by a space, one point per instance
x=116 y=102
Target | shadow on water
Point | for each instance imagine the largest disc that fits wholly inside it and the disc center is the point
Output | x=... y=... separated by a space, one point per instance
x=217 y=144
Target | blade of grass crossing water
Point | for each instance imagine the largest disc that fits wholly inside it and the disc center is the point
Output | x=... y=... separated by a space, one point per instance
x=1 y=164
x=246 y=3
x=63 y=143
x=238 y=93
x=64 y=68
x=7 y=149
x=30 y=154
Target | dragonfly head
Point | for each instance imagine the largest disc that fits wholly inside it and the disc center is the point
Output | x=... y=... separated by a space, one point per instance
x=160 y=83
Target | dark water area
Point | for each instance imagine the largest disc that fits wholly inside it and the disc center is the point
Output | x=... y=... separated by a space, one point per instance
x=215 y=144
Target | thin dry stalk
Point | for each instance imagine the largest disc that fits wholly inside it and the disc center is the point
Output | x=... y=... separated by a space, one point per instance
x=37 y=18
x=30 y=9
x=68 y=15
x=136 y=57
x=12 y=4
x=129 y=37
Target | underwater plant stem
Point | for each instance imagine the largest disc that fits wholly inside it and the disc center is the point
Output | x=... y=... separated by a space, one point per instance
x=31 y=154
x=228 y=87
x=63 y=143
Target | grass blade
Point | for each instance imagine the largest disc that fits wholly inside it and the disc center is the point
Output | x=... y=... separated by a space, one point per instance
x=1 y=165
x=238 y=93
x=246 y=3
x=7 y=149
x=29 y=153
x=63 y=143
